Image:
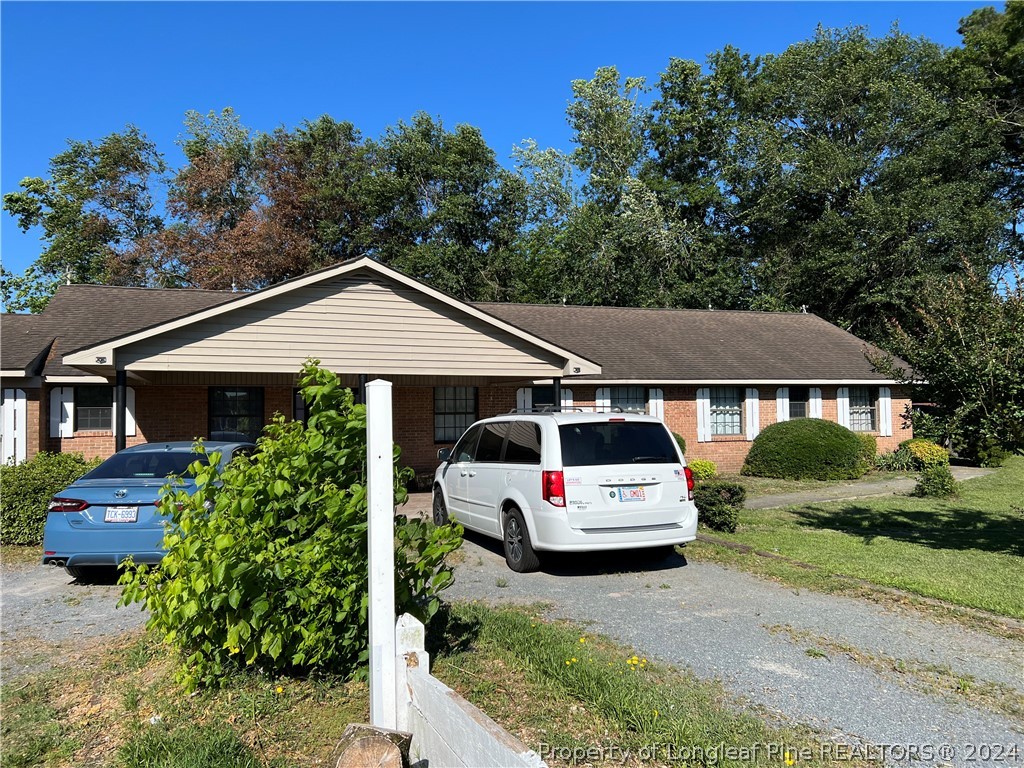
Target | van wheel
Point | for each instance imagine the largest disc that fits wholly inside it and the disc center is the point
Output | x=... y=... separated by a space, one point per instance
x=440 y=510
x=519 y=552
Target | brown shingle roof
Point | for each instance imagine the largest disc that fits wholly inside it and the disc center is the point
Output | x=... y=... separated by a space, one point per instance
x=81 y=315
x=697 y=344
x=24 y=340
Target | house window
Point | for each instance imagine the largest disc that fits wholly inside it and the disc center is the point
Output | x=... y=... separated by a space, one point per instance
x=454 y=411
x=300 y=411
x=236 y=413
x=94 y=408
x=726 y=410
x=798 y=398
x=543 y=397
x=628 y=398
x=863 y=409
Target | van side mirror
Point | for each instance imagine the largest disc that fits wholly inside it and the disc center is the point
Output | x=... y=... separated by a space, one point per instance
x=444 y=454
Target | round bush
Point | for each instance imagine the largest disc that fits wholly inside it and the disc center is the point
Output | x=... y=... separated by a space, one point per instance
x=806 y=449
x=27 y=490
x=681 y=441
x=925 y=452
x=702 y=469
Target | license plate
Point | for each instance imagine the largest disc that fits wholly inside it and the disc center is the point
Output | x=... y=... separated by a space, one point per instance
x=632 y=493
x=121 y=515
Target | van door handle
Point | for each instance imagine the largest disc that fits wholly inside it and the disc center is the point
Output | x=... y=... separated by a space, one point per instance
x=463 y=473
x=472 y=473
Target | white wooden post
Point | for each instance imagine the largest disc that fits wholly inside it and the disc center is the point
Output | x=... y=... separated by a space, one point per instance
x=381 y=501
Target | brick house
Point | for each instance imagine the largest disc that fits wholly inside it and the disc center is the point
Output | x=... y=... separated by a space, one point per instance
x=105 y=366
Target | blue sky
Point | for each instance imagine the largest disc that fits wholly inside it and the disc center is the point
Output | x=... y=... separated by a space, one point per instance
x=83 y=70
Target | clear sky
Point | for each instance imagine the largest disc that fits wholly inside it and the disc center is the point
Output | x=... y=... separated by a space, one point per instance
x=84 y=70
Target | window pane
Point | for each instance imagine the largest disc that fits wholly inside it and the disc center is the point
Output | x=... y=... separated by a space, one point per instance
x=523 y=445
x=492 y=438
x=465 y=449
x=726 y=411
x=862 y=409
x=543 y=396
x=629 y=398
x=94 y=408
x=454 y=411
x=236 y=413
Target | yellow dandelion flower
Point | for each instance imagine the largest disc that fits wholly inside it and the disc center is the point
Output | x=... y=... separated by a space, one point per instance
x=583 y=639
x=280 y=689
x=567 y=662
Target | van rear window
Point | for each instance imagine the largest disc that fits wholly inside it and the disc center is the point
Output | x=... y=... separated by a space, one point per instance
x=617 y=442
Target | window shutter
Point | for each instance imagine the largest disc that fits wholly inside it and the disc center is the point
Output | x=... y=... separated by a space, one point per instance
x=129 y=416
x=524 y=398
x=884 y=412
x=566 y=399
x=62 y=412
x=656 y=403
x=782 y=404
x=704 y=415
x=15 y=431
x=843 y=404
x=753 y=403
x=603 y=399
x=814 y=404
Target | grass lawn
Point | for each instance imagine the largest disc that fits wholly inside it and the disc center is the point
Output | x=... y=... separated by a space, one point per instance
x=769 y=486
x=967 y=551
x=548 y=683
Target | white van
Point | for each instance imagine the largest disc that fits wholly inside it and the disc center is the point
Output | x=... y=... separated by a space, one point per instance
x=567 y=482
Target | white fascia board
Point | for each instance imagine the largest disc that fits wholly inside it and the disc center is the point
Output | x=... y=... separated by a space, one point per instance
x=14 y=373
x=575 y=364
x=85 y=379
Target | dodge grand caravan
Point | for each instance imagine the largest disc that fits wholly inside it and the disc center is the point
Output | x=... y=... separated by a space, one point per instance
x=567 y=482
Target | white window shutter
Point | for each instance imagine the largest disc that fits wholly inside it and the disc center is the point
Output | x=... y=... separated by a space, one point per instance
x=782 y=404
x=566 y=399
x=753 y=404
x=814 y=405
x=656 y=403
x=62 y=412
x=704 y=415
x=843 y=405
x=129 y=416
x=884 y=412
x=603 y=399
x=15 y=430
x=524 y=398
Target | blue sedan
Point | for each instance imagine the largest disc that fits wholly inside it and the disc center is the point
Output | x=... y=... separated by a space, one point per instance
x=111 y=512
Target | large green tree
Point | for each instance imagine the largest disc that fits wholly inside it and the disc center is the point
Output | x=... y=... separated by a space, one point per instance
x=96 y=203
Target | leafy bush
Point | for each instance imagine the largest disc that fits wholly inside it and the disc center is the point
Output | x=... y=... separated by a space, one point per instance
x=868 y=450
x=899 y=460
x=719 y=503
x=806 y=448
x=936 y=480
x=925 y=452
x=27 y=490
x=929 y=426
x=702 y=469
x=269 y=569
x=681 y=441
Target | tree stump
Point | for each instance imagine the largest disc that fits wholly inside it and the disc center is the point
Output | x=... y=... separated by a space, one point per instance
x=365 y=746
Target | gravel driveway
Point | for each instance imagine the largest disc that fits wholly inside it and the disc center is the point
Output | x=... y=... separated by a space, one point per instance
x=852 y=669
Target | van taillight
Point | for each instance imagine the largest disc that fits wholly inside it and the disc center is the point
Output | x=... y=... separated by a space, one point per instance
x=689 y=482
x=553 y=487
x=57 y=504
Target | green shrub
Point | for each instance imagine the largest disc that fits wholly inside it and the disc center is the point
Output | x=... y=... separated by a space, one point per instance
x=868 y=450
x=989 y=453
x=269 y=569
x=929 y=426
x=702 y=469
x=925 y=452
x=718 y=504
x=27 y=490
x=681 y=442
x=806 y=448
x=899 y=460
x=936 y=480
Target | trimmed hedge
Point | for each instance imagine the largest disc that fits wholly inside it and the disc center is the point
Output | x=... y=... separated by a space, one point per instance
x=681 y=441
x=806 y=449
x=868 y=450
x=719 y=504
x=27 y=490
x=702 y=469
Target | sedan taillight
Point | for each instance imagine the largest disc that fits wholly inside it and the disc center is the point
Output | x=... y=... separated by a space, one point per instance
x=58 y=504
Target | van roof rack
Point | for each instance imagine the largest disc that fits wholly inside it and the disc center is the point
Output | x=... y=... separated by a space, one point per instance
x=546 y=409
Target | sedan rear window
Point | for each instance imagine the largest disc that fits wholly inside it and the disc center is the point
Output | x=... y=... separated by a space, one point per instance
x=622 y=442
x=146 y=464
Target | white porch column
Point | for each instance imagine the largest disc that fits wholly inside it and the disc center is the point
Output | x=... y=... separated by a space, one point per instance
x=381 y=542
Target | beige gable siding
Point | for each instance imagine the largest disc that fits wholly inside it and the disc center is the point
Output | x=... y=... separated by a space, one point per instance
x=353 y=324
